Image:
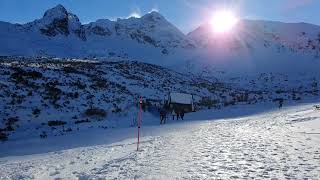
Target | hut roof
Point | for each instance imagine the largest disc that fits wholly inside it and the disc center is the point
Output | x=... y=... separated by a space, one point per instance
x=181 y=98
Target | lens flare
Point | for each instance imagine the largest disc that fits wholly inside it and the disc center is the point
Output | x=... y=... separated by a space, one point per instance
x=223 y=21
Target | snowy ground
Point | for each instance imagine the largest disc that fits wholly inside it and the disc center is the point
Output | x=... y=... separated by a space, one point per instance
x=275 y=144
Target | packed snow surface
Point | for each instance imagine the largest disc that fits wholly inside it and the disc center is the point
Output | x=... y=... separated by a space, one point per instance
x=274 y=144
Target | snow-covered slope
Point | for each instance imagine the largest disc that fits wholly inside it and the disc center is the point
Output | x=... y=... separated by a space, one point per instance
x=278 y=144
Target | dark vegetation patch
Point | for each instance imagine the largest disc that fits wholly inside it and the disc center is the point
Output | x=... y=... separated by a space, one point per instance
x=99 y=83
x=23 y=77
x=3 y=136
x=82 y=121
x=79 y=84
x=9 y=123
x=43 y=135
x=36 y=111
x=52 y=93
x=96 y=112
x=69 y=69
x=56 y=123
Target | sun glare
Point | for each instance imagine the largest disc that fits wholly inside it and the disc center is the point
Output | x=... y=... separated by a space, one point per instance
x=223 y=21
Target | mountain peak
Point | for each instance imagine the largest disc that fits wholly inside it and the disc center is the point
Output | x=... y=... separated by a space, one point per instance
x=154 y=13
x=153 y=16
x=59 y=6
x=58 y=20
x=57 y=12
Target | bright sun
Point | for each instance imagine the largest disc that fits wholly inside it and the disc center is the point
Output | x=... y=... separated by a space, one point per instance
x=223 y=21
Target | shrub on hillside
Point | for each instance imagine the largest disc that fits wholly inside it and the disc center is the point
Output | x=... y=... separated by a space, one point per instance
x=96 y=112
x=81 y=121
x=34 y=74
x=43 y=135
x=79 y=84
x=36 y=111
x=99 y=83
x=69 y=69
x=11 y=121
x=20 y=73
x=3 y=136
x=53 y=93
x=56 y=123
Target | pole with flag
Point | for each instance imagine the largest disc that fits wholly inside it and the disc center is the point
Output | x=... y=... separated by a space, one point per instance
x=139 y=122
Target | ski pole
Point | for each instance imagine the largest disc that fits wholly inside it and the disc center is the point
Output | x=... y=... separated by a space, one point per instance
x=139 y=122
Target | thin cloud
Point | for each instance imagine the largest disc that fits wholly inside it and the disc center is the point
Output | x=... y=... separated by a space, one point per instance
x=136 y=13
x=154 y=9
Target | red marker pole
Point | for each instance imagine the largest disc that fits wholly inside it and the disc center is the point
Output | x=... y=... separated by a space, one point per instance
x=139 y=122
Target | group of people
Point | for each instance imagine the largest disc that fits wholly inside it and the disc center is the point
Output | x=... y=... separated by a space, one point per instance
x=179 y=113
x=175 y=113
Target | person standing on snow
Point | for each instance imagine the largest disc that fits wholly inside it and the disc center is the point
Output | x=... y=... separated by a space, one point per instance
x=177 y=111
x=162 y=116
x=173 y=113
x=280 y=103
x=182 y=114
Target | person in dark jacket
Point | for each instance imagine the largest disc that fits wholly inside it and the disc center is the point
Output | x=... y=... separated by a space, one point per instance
x=177 y=111
x=280 y=103
x=182 y=114
x=163 y=115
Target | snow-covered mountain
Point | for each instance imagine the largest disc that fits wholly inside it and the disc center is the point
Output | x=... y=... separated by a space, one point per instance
x=253 y=46
x=261 y=46
x=60 y=33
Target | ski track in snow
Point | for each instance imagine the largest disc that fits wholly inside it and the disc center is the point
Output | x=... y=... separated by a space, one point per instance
x=282 y=144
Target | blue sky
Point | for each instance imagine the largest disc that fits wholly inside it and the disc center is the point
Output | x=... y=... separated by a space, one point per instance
x=185 y=14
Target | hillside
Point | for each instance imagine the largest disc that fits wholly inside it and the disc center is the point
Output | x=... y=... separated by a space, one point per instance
x=53 y=97
x=38 y=95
